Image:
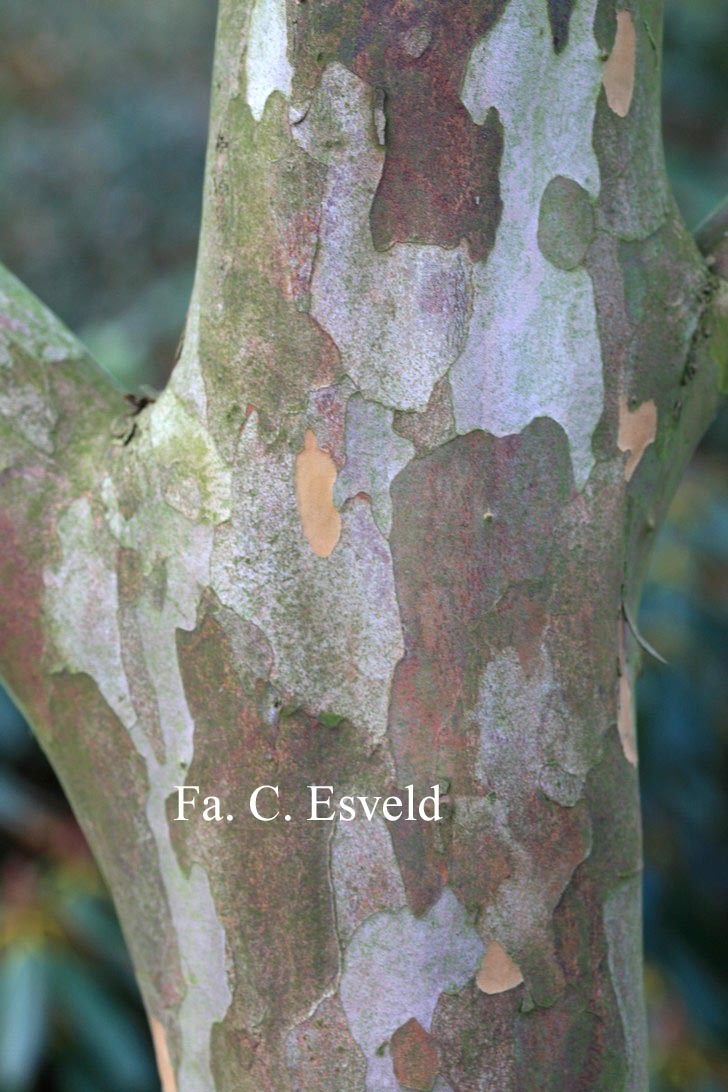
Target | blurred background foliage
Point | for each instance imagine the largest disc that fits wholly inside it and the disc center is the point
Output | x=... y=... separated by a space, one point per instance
x=103 y=115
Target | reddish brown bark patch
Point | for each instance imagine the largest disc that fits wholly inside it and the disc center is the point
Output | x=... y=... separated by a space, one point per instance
x=440 y=179
x=421 y=867
x=475 y=1035
x=253 y=866
x=21 y=638
x=116 y=826
x=433 y=427
x=415 y=1057
x=593 y=1048
x=474 y=826
x=474 y=517
x=573 y=1036
x=270 y=880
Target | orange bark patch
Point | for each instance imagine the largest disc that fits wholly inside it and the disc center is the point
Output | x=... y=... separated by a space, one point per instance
x=164 y=1062
x=498 y=972
x=625 y=716
x=637 y=430
x=619 y=69
x=414 y=1055
x=315 y=477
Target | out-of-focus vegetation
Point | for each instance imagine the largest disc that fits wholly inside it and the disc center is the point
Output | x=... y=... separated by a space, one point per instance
x=70 y=1013
x=683 y=708
x=695 y=104
x=103 y=116
x=103 y=111
x=684 y=771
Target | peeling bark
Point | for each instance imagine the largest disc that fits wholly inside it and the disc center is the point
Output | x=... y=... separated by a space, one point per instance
x=449 y=349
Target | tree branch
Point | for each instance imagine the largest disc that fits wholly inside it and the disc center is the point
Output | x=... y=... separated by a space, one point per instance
x=712 y=238
x=57 y=409
x=54 y=399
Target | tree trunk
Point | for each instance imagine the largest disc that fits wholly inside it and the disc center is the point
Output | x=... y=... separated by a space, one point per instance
x=449 y=349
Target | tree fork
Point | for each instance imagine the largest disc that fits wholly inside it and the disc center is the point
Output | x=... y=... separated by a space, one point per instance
x=449 y=349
